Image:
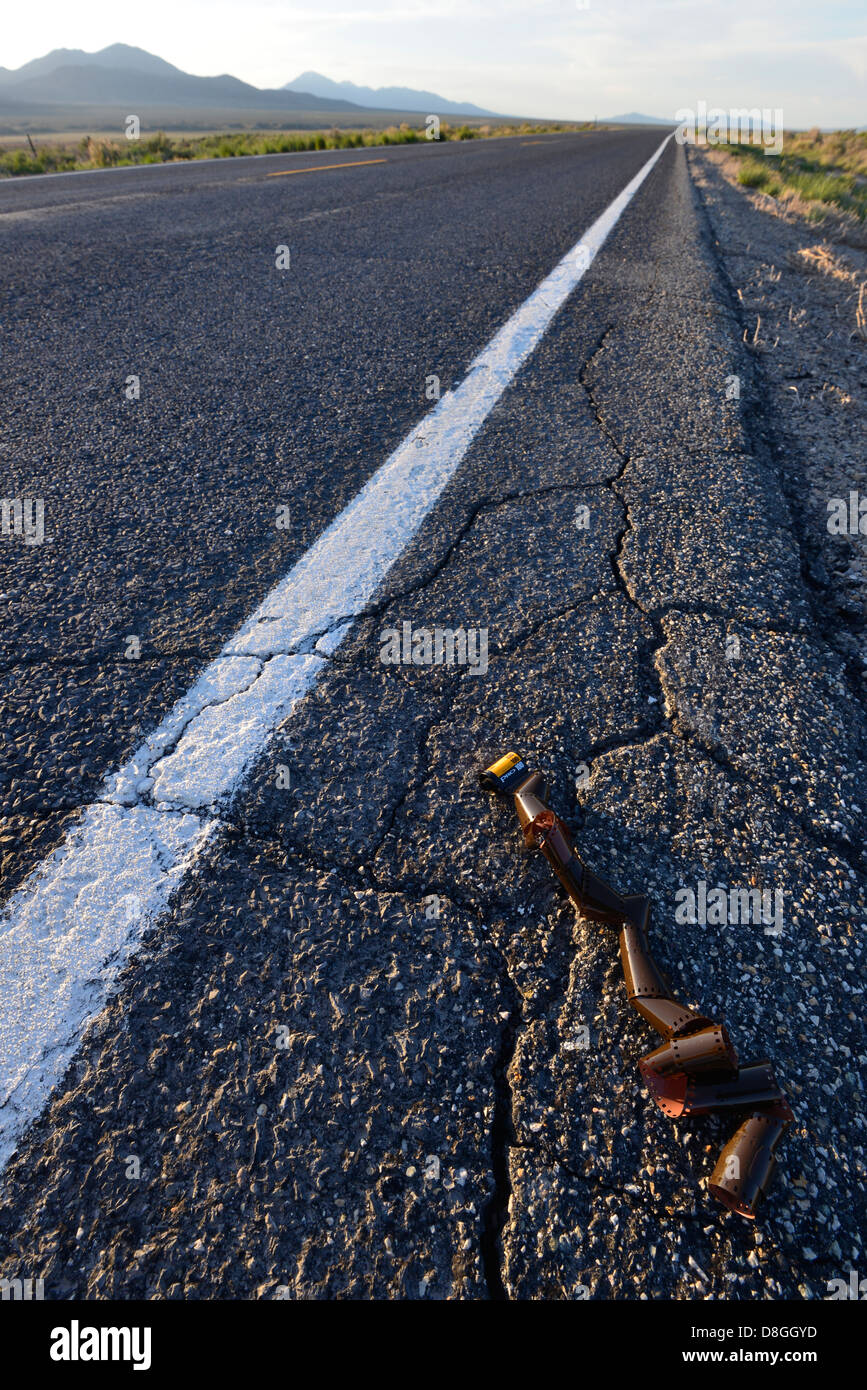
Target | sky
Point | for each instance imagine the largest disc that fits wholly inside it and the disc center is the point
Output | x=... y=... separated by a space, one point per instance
x=560 y=59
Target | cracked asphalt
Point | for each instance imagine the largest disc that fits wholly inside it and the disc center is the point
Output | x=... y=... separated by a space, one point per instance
x=350 y=1061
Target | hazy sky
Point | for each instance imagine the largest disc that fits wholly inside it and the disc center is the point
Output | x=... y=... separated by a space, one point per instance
x=526 y=57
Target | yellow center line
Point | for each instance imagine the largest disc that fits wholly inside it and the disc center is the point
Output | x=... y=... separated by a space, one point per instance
x=317 y=168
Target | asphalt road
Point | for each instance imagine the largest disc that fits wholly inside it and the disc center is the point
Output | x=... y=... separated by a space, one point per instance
x=259 y=388
x=345 y=1060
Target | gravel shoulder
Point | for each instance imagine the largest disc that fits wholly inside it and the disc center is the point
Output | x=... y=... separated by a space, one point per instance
x=801 y=291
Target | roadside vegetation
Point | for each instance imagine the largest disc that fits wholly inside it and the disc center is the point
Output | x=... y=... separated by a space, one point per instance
x=102 y=153
x=826 y=169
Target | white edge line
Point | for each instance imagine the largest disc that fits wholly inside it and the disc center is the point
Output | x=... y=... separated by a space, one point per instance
x=67 y=932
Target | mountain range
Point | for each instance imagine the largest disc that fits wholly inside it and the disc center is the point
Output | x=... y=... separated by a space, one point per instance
x=383 y=98
x=636 y=118
x=131 y=77
x=72 y=86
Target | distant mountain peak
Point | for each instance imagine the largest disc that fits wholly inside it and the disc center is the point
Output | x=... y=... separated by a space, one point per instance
x=116 y=55
x=636 y=118
x=383 y=98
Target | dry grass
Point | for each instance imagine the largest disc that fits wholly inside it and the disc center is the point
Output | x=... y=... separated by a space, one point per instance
x=100 y=152
x=818 y=170
x=839 y=150
x=820 y=260
x=805 y=181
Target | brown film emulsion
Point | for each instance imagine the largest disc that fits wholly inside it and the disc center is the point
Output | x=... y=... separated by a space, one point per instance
x=695 y=1071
